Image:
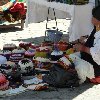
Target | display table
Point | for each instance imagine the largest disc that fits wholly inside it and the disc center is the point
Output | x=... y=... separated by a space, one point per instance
x=80 y=16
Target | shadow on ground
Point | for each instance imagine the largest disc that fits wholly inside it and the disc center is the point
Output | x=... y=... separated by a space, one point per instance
x=52 y=94
x=11 y=29
x=38 y=40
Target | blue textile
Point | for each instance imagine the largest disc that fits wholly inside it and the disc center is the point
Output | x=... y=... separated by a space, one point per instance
x=5 y=8
x=13 y=1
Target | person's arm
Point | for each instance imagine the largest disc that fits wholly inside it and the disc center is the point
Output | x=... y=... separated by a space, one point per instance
x=81 y=40
x=7 y=5
x=82 y=48
x=95 y=52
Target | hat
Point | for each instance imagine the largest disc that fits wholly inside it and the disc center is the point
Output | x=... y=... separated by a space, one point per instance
x=96 y=12
x=2 y=59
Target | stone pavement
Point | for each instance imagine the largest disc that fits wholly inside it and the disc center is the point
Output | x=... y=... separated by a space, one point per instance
x=34 y=33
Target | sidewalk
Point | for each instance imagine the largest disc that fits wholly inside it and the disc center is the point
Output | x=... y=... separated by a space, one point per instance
x=34 y=33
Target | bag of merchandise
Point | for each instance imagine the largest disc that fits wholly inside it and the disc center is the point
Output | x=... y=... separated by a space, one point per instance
x=59 y=77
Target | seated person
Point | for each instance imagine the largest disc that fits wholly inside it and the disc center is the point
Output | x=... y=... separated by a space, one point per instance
x=12 y=11
x=90 y=51
x=4 y=6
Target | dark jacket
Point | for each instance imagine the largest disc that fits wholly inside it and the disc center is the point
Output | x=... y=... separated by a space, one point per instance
x=88 y=57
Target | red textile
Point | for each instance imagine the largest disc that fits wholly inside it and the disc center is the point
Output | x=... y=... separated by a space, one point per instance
x=95 y=80
x=18 y=7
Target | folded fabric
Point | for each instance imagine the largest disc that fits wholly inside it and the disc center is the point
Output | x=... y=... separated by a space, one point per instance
x=17 y=90
x=41 y=86
x=18 y=7
x=83 y=68
x=12 y=91
x=33 y=81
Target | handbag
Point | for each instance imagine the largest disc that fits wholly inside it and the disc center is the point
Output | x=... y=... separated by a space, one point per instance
x=61 y=78
x=52 y=35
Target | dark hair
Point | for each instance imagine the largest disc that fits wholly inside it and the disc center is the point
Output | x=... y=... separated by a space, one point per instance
x=96 y=12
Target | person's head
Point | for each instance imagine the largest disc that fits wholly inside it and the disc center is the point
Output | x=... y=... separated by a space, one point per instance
x=96 y=16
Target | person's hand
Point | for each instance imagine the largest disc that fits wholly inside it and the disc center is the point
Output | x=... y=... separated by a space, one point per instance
x=78 y=47
x=82 y=39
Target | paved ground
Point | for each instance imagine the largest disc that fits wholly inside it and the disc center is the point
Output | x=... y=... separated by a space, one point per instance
x=34 y=33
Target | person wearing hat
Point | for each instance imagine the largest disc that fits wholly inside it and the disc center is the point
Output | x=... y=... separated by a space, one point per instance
x=4 y=6
x=90 y=51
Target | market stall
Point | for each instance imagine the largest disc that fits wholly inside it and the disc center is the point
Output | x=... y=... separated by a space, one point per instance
x=80 y=16
x=37 y=67
x=21 y=66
